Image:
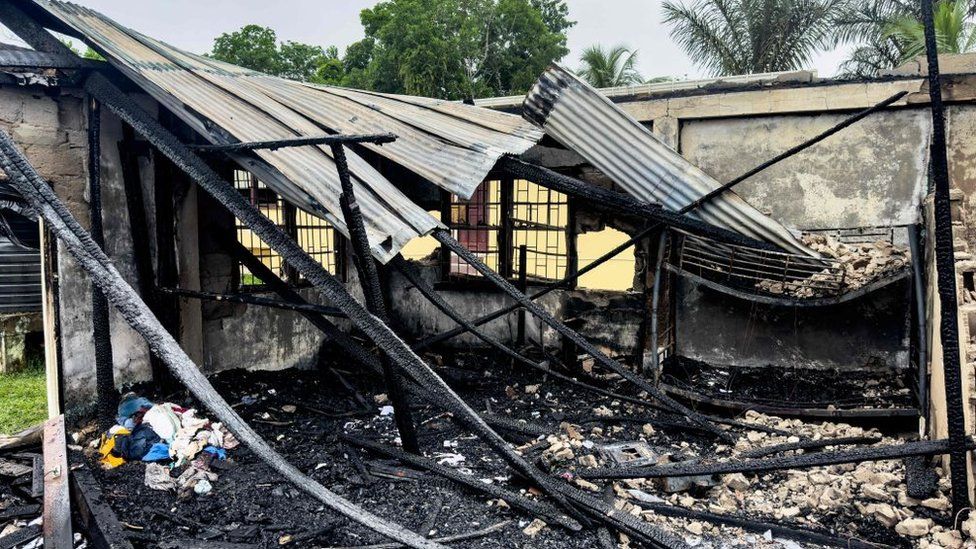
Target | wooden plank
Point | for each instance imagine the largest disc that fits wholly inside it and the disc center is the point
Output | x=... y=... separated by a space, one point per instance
x=100 y=521
x=49 y=312
x=20 y=537
x=37 y=482
x=57 y=505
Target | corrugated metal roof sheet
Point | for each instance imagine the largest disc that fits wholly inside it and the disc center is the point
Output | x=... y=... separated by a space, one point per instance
x=20 y=278
x=579 y=117
x=452 y=145
x=661 y=88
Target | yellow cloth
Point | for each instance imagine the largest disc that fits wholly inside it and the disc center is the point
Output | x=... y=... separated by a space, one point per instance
x=107 y=460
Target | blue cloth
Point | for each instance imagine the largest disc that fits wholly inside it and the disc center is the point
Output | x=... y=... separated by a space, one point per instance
x=130 y=405
x=136 y=445
x=158 y=452
x=218 y=453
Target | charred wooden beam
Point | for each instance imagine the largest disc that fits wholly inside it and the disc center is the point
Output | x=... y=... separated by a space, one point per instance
x=369 y=279
x=809 y=445
x=901 y=451
x=795 y=533
x=945 y=264
x=107 y=397
x=101 y=524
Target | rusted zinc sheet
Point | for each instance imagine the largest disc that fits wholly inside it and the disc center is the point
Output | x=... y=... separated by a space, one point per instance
x=579 y=117
x=452 y=145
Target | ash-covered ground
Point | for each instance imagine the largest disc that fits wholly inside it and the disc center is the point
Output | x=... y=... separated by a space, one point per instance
x=302 y=414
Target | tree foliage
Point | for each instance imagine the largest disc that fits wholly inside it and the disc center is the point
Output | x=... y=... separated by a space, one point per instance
x=728 y=37
x=881 y=32
x=253 y=47
x=456 y=49
x=450 y=49
x=608 y=68
x=954 y=33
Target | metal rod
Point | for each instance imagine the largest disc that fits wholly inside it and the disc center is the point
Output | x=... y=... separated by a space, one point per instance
x=276 y=144
x=620 y=203
x=369 y=280
x=255 y=300
x=107 y=397
x=879 y=453
x=808 y=445
x=945 y=263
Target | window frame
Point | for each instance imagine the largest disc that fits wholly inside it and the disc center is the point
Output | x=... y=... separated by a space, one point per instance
x=289 y=223
x=505 y=240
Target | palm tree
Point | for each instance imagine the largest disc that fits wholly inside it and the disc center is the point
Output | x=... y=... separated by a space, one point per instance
x=728 y=37
x=887 y=32
x=611 y=68
x=954 y=33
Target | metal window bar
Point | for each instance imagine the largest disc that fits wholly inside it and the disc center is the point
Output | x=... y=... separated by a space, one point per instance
x=313 y=234
x=477 y=223
x=745 y=268
x=541 y=222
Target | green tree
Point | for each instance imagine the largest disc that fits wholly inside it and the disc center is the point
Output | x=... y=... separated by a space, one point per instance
x=954 y=33
x=299 y=61
x=257 y=48
x=608 y=68
x=882 y=32
x=330 y=68
x=456 y=49
x=728 y=37
x=253 y=47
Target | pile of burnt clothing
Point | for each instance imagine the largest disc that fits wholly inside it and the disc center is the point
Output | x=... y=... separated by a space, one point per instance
x=166 y=437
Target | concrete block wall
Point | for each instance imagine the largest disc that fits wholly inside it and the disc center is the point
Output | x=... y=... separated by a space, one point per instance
x=50 y=126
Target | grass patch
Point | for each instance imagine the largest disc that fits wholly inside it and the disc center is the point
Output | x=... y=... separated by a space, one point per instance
x=23 y=400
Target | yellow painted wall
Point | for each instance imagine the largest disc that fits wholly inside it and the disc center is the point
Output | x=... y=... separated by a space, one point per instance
x=616 y=274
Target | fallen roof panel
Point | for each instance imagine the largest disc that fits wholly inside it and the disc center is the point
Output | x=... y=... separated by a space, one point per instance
x=579 y=117
x=450 y=144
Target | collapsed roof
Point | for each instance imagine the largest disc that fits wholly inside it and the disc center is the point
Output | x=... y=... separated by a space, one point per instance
x=575 y=114
x=449 y=144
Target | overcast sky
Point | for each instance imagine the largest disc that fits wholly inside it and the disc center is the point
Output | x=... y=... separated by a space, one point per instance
x=193 y=24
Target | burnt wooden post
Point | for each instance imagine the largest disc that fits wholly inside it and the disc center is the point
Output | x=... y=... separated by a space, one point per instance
x=107 y=396
x=523 y=285
x=372 y=290
x=129 y=152
x=945 y=263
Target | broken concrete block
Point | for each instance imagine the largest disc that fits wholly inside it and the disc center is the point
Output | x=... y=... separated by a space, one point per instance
x=914 y=527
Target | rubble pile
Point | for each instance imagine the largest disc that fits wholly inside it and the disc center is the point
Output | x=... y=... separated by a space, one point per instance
x=165 y=437
x=859 y=264
x=875 y=490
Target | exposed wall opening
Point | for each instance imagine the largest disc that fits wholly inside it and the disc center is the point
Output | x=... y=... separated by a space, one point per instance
x=316 y=236
x=616 y=274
